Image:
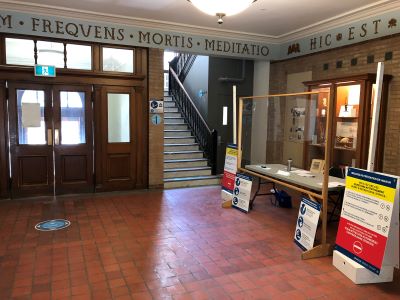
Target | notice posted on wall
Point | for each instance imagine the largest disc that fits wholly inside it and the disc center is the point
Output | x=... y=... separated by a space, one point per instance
x=242 y=192
x=307 y=222
x=228 y=179
x=366 y=217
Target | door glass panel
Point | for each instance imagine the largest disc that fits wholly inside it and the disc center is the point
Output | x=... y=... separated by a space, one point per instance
x=118 y=60
x=20 y=52
x=118 y=118
x=30 y=133
x=79 y=57
x=72 y=118
x=50 y=53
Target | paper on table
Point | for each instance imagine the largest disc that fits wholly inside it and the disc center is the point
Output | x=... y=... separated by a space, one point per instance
x=303 y=173
x=306 y=174
x=332 y=184
x=284 y=173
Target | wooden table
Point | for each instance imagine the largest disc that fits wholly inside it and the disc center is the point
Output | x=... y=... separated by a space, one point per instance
x=302 y=181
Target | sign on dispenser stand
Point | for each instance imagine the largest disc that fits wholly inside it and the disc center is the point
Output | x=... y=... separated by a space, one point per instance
x=367 y=242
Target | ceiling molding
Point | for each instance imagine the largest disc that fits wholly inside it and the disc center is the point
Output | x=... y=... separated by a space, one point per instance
x=325 y=25
x=130 y=21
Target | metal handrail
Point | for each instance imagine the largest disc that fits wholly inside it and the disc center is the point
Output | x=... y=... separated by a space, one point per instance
x=190 y=99
x=206 y=137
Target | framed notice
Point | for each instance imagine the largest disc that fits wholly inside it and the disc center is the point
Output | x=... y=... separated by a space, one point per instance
x=317 y=166
x=366 y=227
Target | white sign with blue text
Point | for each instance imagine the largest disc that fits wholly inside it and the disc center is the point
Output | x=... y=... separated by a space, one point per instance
x=307 y=222
x=242 y=192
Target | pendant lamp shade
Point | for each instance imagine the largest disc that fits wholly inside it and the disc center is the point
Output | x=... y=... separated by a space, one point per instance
x=222 y=7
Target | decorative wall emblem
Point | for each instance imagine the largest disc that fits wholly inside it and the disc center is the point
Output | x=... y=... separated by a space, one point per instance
x=392 y=23
x=294 y=48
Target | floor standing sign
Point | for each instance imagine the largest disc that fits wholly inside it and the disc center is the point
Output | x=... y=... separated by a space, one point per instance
x=307 y=222
x=228 y=179
x=368 y=234
x=242 y=192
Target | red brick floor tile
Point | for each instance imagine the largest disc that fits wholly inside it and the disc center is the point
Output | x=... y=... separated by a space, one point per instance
x=21 y=291
x=41 y=296
x=60 y=293
x=80 y=290
x=120 y=291
x=141 y=296
x=156 y=244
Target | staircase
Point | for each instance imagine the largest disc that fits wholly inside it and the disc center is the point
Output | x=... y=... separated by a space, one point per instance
x=184 y=162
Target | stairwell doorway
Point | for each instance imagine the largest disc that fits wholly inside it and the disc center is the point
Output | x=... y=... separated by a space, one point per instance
x=185 y=162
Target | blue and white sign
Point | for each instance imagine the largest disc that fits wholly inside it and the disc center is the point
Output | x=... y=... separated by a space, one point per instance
x=45 y=71
x=156 y=106
x=51 y=225
x=242 y=192
x=156 y=119
x=307 y=222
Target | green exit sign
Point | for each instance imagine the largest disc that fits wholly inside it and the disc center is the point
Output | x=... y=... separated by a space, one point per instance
x=45 y=71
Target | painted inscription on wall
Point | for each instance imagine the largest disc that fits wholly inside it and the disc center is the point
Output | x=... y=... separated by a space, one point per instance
x=128 y=35
x=374 y=27
x=65 y=28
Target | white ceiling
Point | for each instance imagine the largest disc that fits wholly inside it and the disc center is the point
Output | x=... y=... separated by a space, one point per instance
x=264 y=19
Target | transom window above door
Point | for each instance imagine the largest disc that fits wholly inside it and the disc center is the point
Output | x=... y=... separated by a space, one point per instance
x=28 y=52
x=61 y=55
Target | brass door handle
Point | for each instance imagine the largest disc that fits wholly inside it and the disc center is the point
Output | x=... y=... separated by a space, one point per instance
x=56 y=137
x=49 y=137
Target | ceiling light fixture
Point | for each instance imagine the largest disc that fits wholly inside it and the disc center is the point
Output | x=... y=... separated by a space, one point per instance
x=221 y=8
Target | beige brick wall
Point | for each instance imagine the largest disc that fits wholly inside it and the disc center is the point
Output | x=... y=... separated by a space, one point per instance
x=378 y=48
x=156 y=132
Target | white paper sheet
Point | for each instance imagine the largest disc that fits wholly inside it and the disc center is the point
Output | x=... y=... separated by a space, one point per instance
x=333 y=184
x=31 y=115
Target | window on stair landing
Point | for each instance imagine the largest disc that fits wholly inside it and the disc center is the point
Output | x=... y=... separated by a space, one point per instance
x=168 y=56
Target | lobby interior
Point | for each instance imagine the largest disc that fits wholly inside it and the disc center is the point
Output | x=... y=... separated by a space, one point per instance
x=135 y=239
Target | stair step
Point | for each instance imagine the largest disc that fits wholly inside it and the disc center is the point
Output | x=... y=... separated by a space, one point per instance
x=174 y=120
x=179 y=140
x=192 y=181
x=180 y=147
x=182 y=154
x=172 y=114
x=171 y=109
x=169 y=104
x=187 y=172
x=185 y=163
x=176 y=126
x=175 y=133
x=168 y=97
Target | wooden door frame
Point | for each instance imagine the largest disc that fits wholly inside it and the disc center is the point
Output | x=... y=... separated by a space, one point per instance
x=96 y=78
x=82 y=149
x=138 y=134
x=43 y=150
x=4 y=162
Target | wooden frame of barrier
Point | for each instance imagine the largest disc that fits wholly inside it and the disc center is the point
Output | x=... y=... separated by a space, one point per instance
x=324 y=249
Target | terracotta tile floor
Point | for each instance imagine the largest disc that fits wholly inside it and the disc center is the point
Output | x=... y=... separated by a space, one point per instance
x=173 y=244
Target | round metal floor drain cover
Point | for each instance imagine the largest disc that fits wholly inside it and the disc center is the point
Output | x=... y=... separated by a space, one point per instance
x=50 y=225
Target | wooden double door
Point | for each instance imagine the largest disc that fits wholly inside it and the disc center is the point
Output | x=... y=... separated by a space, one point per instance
x=51 y=139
